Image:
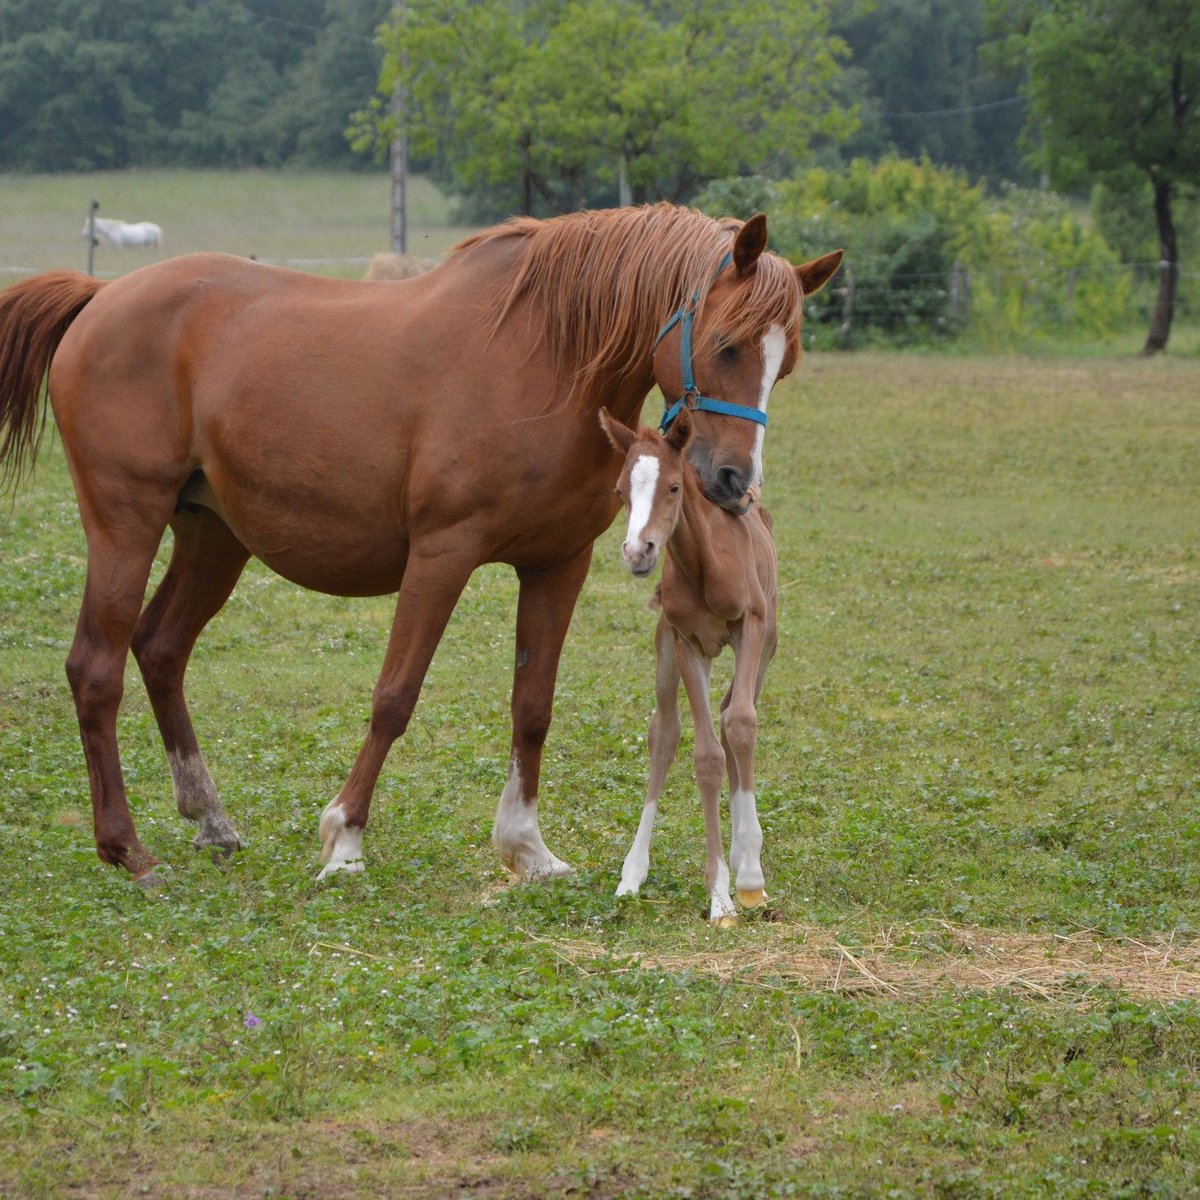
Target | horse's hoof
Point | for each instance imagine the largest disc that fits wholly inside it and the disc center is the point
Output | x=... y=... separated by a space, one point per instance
x=153 y=879
x=751 y=897
x=222 y=842
x=727 y=921
x=352 y=866
x=555 y=868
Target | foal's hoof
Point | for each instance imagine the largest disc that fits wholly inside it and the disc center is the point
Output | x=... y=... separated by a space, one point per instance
x=751 y=897
x=727 y=921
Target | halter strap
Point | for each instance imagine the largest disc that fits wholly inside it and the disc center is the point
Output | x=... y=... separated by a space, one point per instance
x=685 y=316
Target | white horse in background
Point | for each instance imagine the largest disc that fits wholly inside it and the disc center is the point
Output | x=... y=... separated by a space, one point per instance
x=122 y=233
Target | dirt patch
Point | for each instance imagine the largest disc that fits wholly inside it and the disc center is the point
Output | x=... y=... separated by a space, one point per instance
x=912 y=961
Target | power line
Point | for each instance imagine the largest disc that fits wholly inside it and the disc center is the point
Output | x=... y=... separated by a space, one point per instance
x=950 y=112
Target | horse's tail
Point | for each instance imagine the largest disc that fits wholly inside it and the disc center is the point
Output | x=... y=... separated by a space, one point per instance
x=34 y=315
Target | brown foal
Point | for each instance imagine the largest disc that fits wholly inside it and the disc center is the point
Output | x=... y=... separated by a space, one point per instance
x=718 y=589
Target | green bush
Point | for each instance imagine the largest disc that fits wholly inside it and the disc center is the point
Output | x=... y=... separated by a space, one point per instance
x=931 y=257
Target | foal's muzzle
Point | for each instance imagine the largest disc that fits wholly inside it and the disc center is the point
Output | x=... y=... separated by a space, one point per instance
x=640 y=560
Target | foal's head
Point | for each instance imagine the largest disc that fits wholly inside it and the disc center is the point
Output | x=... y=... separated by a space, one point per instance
x=651 y=486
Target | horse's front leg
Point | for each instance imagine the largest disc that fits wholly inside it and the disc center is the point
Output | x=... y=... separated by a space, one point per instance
x=544 y=607
x=433 y=581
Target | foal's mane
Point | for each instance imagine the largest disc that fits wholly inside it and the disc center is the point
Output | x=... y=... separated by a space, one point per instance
x=606 y=281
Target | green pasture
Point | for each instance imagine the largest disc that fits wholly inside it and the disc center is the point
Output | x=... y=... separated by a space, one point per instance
x=979 y=768
x=323 y=221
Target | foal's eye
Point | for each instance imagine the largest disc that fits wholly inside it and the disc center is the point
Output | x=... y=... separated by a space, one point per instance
x=729 y=352
x=674 y=488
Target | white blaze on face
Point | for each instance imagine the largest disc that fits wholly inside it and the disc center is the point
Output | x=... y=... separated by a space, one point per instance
x=643 y=480
x=774 y=344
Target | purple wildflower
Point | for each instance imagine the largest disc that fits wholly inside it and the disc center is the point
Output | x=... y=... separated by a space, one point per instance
x=251 y=1021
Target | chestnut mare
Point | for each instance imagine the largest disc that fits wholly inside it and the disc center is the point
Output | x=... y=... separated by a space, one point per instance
x=718 y=589
x=363 y=438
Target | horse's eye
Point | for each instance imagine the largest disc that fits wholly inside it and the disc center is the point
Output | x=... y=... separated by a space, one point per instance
x=674 y=488
x=729 y=352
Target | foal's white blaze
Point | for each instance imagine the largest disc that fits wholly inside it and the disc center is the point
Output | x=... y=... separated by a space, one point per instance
x=341 y=844
x=516 y=835
x=774 y=345
x=643 y=479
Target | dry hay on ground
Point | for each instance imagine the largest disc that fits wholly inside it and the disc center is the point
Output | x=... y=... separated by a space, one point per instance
x=398 y=266
x=909 y=962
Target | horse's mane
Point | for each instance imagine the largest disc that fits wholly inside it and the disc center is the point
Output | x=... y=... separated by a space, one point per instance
x=606 y=281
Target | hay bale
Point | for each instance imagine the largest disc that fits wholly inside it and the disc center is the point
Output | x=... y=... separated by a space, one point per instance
x=398 y=266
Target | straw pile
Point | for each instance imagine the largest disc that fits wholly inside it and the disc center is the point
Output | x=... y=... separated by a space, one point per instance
x=911 y=961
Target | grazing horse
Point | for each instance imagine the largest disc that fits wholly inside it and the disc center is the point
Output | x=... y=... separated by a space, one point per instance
x=718 y=589
x=369 y=438
x=123 y=233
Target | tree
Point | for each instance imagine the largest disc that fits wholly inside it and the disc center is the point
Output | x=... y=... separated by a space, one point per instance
x=544 y=105
x=92 y=83
x=1113 y=88
x=924 y=90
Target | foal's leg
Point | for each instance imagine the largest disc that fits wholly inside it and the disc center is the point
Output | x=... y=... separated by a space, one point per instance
x=739 y=734
x=544 y=607
x=120 y=553
x=206 y=562
x=433 y=581
x=663 y=742
x=696 y=671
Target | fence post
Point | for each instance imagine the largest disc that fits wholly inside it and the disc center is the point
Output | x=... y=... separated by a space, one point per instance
x=960 y=295
x=846 y=328
x=91 y=236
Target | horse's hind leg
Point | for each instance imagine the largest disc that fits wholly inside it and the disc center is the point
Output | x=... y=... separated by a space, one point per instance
x=119 y=557
x=206 y=563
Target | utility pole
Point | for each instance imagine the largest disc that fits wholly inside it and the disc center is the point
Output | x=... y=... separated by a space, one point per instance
x=399 y=152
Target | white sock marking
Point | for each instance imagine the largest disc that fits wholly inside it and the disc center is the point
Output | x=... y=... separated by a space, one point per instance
x=516 y=835
x=341 y=844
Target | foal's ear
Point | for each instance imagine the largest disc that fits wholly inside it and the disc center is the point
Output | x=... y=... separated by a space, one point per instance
x=750 y=242
x=620 y=435
x=816 y=274
x=681 y=429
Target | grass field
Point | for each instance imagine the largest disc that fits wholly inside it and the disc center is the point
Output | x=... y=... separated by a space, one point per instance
x=979 y=763
x=329 y=222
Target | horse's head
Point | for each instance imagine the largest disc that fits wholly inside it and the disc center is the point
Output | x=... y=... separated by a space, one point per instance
x=722 y=353
x=650 y=487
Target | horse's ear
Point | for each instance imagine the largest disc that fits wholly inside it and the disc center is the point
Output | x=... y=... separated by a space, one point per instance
x=680 y=430
x=620 y=435
x=816 y=274
x=750 y=242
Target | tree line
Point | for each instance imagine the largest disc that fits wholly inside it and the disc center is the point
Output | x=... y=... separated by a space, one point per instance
x=543 y=106
x=90 y=84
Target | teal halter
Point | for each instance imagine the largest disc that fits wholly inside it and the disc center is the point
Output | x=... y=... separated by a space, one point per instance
x=685 y=317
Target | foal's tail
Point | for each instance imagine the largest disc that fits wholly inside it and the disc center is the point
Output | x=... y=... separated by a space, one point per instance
x=34 y=315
